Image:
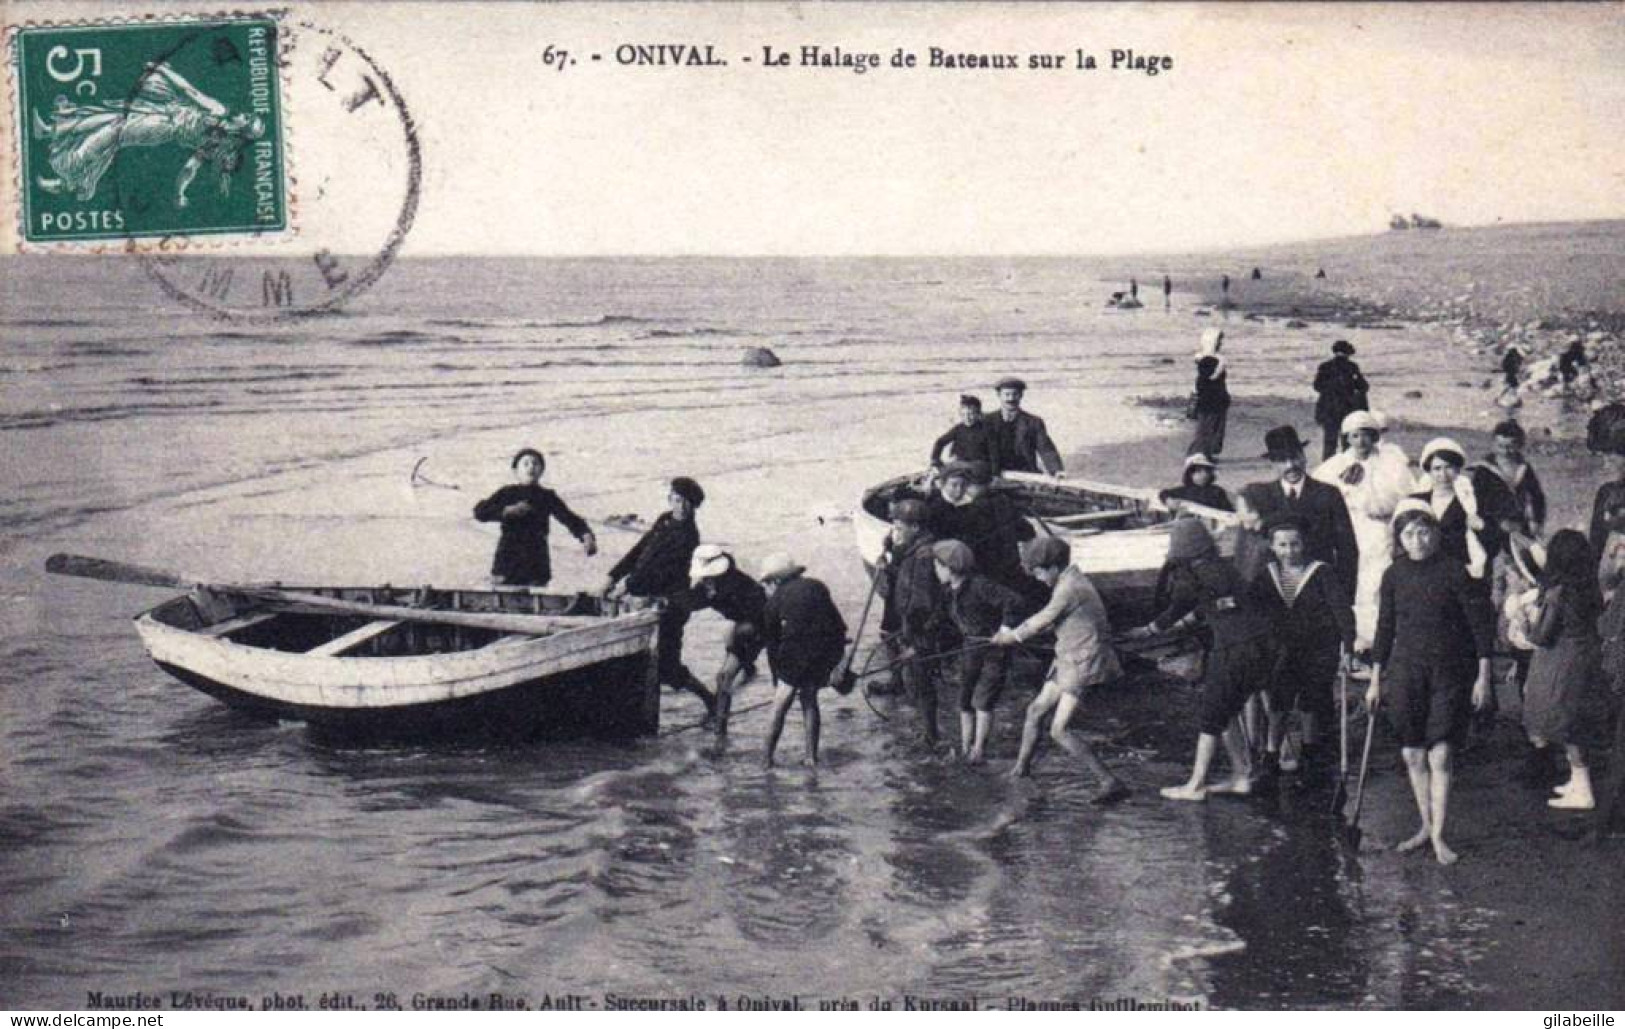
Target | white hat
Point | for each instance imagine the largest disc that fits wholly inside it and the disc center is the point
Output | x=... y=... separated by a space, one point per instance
x=1199 y=460
x=1358 y=420
x=1410 y=504
x=779 y=566
x=1442 y=445
x=1379 y=420
x=709 y=561
x=1212 y=340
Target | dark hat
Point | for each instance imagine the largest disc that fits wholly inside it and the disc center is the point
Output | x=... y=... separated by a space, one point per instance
x=956 y=555
x=1343 y=346
x=1286 y=520
x=1047 y=552
x=1282 y=442
x=966 y=400
x=688 y=489
x=908 y=511
x=1010 y=382
x=956 y=469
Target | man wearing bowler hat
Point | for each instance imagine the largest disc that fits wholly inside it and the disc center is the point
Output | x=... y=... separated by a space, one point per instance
x=1330 y=532
x=1342 y=391
x=1022 y=441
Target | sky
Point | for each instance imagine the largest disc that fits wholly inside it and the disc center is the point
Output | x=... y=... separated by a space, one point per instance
x=1275 y=123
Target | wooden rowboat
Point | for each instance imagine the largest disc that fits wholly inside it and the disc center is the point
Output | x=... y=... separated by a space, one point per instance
x=392 y=662
x=1118 y=534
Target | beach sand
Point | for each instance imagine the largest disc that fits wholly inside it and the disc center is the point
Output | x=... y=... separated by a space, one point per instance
x=1550 y=901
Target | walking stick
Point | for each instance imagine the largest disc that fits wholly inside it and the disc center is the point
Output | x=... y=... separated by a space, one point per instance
x=1351 y=829
x=1340 y=795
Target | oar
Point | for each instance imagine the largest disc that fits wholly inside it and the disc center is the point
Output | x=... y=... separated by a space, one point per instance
x=278 y=597
x=1351 y=831
x=845 y=681
x=120 y=571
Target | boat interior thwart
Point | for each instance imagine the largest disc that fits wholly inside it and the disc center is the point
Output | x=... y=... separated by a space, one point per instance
x=388 y=661
x=1118 y=534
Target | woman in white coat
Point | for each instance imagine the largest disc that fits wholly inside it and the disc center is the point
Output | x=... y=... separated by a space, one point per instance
x=1373 y=478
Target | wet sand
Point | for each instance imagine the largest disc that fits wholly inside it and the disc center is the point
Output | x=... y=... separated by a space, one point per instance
x=1549 y=901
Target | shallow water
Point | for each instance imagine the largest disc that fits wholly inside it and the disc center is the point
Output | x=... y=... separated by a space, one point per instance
x=152 y=840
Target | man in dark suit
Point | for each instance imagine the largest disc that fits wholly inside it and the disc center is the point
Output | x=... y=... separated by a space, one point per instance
x=1023 y=441
x=1325 y=516
x=1342 y=390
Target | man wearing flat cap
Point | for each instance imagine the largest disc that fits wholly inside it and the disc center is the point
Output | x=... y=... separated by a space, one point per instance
x=1342 y=391
x=1023 y=441
x=1330 y=531
x=657 y=568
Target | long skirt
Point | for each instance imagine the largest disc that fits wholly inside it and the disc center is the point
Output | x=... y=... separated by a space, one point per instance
x=1376 y=554
x=1209 y=439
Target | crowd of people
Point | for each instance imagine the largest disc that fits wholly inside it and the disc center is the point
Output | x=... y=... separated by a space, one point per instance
x=1415 y=578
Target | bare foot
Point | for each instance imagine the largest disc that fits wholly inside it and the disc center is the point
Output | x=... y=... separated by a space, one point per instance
x=1406 y=846
x=1240 y=786
x=974 y=757
x=1184 y=792
x=809 y=762
x=1445 y=855
x=1021 y=771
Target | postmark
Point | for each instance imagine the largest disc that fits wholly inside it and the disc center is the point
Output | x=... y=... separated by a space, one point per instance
x=150 y=130
x=360 y=173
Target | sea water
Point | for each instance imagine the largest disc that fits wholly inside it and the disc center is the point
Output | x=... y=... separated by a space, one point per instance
x=153 y=841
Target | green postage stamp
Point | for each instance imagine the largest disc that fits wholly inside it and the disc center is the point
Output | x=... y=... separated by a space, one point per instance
x=149 y=129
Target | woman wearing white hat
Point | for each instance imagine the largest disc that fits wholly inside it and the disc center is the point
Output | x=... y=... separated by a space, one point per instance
x=1372 y=483
x=1449 y=495
x=1211 y=401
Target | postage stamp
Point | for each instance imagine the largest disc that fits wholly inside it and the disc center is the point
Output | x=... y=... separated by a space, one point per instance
x=150 y=129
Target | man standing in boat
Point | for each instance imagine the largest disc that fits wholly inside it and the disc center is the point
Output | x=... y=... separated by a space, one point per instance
x=524 y=510
x=970 y=439
x=1023 y=442
x=656 y=568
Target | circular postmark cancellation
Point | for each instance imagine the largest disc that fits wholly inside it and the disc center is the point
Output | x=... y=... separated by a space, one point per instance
x=259 y=168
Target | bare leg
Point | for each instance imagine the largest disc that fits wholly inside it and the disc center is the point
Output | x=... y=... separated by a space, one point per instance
x=1416 y=767
x=811 y=723
x=984 y=727
x=728 y=677
x=1111 y=787
x=782 y=697
x=967 y=732
x=1241 y=766
x=1047 y=698
x=1207 y=745
x=1439 y=765
x=1277 y=732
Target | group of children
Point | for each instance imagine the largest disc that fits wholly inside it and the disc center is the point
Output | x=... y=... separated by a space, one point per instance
x=1355 y=566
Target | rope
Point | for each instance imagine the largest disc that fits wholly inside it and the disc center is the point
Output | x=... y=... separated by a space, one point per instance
x=980 y=643
x=711 y=721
